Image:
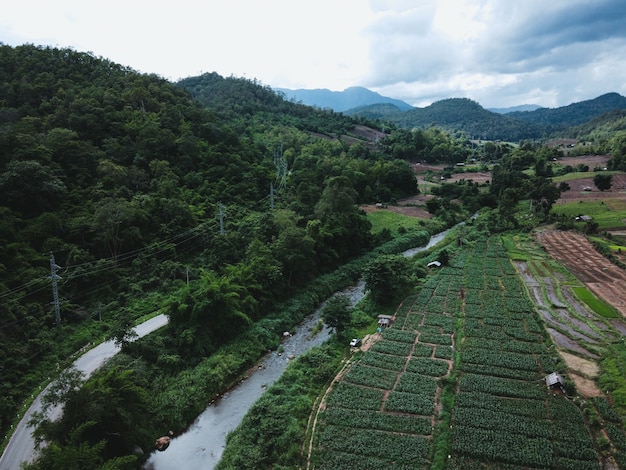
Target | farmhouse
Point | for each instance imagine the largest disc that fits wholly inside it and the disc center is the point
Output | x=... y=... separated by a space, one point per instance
x=555 y=380
x=385 y=320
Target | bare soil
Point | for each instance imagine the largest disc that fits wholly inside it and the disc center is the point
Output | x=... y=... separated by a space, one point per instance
x=584 y=367
x=578 y=255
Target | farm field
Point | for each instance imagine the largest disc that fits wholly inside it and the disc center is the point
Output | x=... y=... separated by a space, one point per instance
x=574 y=251
x=458 y=382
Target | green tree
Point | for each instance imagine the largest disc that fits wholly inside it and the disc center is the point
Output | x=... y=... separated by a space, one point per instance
x=603 y=181
x=337 y=313
x=387 y=277
x=344 y=231
x=104 y=409
x=30 y=187
x=208 y=312
x=543 y=193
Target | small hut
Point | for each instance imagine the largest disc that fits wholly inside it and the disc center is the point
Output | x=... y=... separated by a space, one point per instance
x=385 y=321
x=555 y=380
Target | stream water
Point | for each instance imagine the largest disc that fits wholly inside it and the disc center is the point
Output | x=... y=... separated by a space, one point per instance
x=202 y=444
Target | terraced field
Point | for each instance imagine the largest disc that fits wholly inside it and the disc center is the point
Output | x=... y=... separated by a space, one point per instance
x=459 y=381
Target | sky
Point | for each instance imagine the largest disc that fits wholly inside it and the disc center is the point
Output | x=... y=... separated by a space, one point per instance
x=499 y=53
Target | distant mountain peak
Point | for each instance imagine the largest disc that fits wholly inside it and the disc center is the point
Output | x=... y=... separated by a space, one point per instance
x=340 y=101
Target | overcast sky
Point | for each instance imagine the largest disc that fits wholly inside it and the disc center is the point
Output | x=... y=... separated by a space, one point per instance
x=499 y=53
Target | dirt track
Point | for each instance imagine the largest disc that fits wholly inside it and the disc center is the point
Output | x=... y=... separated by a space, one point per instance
x=602 y=277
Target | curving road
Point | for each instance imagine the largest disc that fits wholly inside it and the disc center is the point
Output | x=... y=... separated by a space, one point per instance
x=21 y=447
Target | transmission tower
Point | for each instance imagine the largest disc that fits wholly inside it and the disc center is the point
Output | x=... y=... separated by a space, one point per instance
x=55 y=289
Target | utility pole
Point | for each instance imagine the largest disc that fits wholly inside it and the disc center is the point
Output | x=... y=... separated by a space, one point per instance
x=55 y=289
x=221 y=219
x=271 y=195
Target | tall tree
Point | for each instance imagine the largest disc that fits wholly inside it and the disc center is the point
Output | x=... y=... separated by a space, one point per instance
x=603 y=181
x=387 y=277
x=337 y=313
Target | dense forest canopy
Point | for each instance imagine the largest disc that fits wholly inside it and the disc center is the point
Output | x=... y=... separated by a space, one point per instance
x=132 y=183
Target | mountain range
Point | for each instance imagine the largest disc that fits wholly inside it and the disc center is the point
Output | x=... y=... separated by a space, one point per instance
x=340 y=101
x=462 y=114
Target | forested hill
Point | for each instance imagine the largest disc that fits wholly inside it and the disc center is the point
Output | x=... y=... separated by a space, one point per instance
x=454 y=114
x=467 y=116
x=136 y=188
x=573 y=114
x=245 y=102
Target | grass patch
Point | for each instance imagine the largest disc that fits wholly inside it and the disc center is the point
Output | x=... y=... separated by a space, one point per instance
x=579 y=175
x=515 y=252
x=613 y=375
x=604 y=213
x=598 y=306
x=382 y=219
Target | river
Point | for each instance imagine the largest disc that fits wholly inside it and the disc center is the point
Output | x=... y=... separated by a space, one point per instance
x=202 y=444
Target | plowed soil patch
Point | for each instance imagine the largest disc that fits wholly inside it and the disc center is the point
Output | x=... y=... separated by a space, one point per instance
x=578 y=255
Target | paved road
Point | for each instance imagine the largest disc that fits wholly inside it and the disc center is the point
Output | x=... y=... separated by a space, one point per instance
x=21 y=447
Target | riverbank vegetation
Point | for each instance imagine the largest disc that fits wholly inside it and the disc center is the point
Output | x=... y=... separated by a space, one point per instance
x=237 y=213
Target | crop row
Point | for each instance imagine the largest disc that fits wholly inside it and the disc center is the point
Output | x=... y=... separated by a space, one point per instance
x=384 y=361
x=436 y=338
x=416 y=384
x=498 y=446
x=497 y=371
x=479 y=355
x=392 y=347
x=511 y=346
x=386 y=450
x=381 y=421
x=427 y=366
x=506 y=406
x=404 y=449
x=402 y=336
x=438 y=304
x=491 y=419
x=345 y=395
x=443 y=352
x=368 y=376
x=503 y=415
x=501 y=386
x=446 y=322
x=404 y=402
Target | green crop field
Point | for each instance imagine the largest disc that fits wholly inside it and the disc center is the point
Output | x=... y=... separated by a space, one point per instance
x=468 y=354
x=595 y=304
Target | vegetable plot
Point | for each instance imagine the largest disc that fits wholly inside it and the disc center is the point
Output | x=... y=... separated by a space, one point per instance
x=402 y=404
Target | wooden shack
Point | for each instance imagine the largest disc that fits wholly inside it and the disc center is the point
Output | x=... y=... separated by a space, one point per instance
x=555 y=381
x=385 y=321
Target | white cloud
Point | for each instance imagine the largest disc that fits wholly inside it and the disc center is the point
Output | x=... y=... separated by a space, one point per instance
x=497 y=52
